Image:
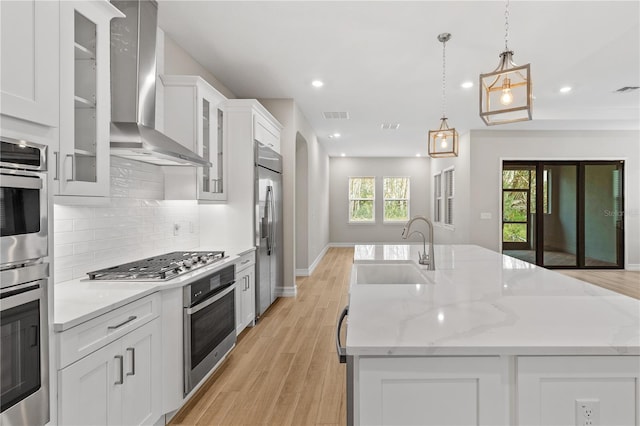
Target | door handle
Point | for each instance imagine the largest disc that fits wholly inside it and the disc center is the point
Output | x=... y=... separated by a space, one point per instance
x=342 y=351
x=121 y=381
x=57 y=161
x=268 y=215
x=133 y=361
x=128 y=320
x=73 y=167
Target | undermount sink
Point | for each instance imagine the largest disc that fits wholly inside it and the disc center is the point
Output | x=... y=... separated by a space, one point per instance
x=388 y=273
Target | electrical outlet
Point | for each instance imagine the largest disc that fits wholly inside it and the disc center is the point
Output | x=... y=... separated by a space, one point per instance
x=587 y=412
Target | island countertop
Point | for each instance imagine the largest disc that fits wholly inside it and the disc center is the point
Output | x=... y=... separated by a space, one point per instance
x=483 y=303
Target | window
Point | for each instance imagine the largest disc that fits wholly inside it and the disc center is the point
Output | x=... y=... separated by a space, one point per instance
x=449 y=183
x=362 y=199
x=437 y=198
x=396 y=199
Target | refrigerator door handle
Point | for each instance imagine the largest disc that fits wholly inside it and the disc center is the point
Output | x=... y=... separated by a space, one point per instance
x=272 y=210
x=267 y=219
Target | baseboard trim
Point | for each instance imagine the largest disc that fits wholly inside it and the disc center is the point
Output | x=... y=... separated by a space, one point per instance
x=633 y=267
x=314 y=265
x=287 y=291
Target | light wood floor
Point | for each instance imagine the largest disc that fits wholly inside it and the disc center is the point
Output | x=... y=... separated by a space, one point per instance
x=285 y=370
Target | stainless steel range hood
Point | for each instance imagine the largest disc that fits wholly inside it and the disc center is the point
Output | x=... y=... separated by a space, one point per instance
x=133 y=90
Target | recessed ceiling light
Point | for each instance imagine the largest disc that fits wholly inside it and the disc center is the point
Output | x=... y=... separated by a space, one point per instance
x=343 y=155
x=467 y=85
x=335 y=136
x=317 y=83
x=565 y=89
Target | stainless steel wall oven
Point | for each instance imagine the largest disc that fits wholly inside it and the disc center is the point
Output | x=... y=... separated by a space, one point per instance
x=209 y=324
x=23 y=201
x=24 y=357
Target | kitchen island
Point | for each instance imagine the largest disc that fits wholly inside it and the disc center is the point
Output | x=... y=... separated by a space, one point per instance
x=487 y=339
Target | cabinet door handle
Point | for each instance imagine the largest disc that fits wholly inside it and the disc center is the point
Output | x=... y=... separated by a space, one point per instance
x=57 y=161
x=73 y=167
x=246 y=279
x=121 y=381
x=133 y=361
x=128 y=320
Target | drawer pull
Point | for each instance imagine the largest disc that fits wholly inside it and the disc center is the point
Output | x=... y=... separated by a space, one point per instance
x=245 y=261
x=133 y=361
x=131 y=318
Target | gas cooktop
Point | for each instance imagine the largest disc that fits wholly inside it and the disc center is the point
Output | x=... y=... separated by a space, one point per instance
x=159 y=268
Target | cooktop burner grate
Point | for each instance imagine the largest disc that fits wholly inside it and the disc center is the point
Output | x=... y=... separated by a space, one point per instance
x=159 y=268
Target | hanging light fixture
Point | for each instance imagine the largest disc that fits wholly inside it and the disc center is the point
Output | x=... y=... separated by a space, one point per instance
x=444 y=141
x=505 y=93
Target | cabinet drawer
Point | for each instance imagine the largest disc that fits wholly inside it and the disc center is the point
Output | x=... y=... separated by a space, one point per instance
x=266 y=133
x=246 y=260
x=89 y=336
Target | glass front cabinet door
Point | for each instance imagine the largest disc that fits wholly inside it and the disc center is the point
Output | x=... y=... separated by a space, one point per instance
x=82 y=164
x=194 y=117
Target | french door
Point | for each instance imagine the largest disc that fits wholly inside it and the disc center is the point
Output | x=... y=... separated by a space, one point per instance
x=564 y=214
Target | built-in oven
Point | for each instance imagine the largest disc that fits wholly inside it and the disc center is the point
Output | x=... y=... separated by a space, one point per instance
x=23 y=201
x=24 y=366
x=209 y=324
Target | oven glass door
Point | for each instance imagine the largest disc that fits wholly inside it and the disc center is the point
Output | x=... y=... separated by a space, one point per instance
x=21 y=342
x=23 y=217
x=210 y=326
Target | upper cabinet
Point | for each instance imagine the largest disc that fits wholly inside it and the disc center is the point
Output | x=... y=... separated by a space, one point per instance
x=194 y=117
x=266 y=132
x=29 y=60
x=82 y=163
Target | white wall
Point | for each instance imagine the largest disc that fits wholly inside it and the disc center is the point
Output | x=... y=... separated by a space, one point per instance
x=459 y=232
x=489 y=148
x=341 y=168
x=302 y=203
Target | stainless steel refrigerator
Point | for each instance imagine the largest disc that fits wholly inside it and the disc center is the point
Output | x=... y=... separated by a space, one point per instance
x=268 y=225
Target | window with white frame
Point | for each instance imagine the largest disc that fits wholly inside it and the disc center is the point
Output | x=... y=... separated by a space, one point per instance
x=449 y=193
x=396 y=199
x=362 y=199
x=437 y=197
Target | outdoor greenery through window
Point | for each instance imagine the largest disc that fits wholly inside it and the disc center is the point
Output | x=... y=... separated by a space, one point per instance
x=396 y=199
x=519 y=201
x=362 y=199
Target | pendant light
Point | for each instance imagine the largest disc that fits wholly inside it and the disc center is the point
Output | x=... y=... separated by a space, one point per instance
x=444 y=141
x=505 y=93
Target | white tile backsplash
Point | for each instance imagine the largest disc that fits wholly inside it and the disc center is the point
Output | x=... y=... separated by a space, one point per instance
x=137 y=223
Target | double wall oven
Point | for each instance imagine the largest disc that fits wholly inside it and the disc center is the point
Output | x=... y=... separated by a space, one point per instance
x=24 y=350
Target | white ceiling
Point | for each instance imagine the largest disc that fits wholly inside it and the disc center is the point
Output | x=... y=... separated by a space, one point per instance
x=381 y=61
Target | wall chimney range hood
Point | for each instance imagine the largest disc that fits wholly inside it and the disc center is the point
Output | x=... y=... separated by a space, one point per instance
x=133 y=90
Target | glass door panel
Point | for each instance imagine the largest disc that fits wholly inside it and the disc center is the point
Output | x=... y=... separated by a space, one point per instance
x=603 y=215
x=518 y=211
x=560 y=237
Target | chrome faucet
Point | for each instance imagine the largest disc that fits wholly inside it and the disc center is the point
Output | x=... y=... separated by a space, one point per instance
x=423 y=259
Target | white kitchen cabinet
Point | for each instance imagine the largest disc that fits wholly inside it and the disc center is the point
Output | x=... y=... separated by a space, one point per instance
x=82 y=163
x=429 y=391
x=245 y=292
x=109 y=367
x=194 y=118
x=548 y=388
x=119 y=384
x=266 y=132
x=29 y=60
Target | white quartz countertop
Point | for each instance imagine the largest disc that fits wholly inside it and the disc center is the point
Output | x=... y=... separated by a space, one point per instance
x=80 y=300
x=483 y=303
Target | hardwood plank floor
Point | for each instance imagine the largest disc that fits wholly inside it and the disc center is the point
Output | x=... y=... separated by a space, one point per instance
x=285 y=370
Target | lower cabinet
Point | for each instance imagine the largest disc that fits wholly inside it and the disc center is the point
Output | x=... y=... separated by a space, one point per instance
x=429 y=391
x=245 y=292
x=118 y=384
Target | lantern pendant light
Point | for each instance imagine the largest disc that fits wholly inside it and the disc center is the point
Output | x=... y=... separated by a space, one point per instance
x=444 y=141
x=505 y=93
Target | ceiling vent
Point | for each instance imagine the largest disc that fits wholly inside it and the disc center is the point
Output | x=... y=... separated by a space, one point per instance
x=627 y=89
x=390 y=126
x=336 y=115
